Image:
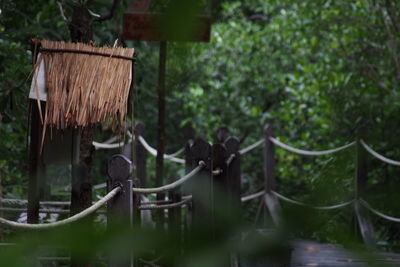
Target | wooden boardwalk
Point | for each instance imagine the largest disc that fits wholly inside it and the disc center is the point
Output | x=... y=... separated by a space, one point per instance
x=311 y=253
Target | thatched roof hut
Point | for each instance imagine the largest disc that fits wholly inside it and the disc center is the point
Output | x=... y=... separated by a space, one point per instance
x=83 y=84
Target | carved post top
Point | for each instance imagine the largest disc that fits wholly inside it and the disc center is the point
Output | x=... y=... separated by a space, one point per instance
x=232 y=144
x=119 y=168
x=139 y=129
x=268 y=130
x=201 y=151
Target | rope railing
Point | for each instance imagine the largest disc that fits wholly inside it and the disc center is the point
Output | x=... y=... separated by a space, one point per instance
x=153 y=151
x=21 y=210
x=44 y=210
x=161 y=201
x=378 y=213
x=309 y=152
x=98 y=145
x=108 y=144
x=171 y=185
x=165 y=206
x=230 y=159
x=252 y=196
x=251 y=147
x=99 y=186
x=69 y=220
x=379 y=156
x=23 y=202
x=295 y=202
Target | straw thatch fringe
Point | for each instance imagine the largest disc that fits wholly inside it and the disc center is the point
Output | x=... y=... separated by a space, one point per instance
x=84 y=89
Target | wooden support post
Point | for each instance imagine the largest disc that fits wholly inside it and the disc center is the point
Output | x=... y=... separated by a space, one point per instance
x=365 y=226
x=234 y=171
x=140 y=155
x=189 y=135
x=35 y=158
x=201 y=192
x=120 y=208
x=35 y=161
x=175 y=218
x=269 y=176
x=81 y=193
x=161 y=127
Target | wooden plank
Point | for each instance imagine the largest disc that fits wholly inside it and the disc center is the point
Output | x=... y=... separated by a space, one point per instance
x=311 y=253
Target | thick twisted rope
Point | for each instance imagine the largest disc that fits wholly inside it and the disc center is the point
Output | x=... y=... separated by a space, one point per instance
x=171 y=185
x=99 y=186
x=23 y=202
x=165 y=206
x=295 y=202
x=251 y=147
x=47 y=210
x=308 y=152
x=161 y=201
x=98 y=145
x=109 y=143
x=252 y=196
x=69 y=220
x=378 y=213
x=21 y=210
x=153 y=151
x=379 y=156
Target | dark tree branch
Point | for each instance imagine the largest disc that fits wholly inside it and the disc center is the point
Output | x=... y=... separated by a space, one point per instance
x=114 y=6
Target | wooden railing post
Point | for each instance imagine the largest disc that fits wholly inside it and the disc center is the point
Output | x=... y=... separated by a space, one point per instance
x=221 y=208
x=140 y=157
x=175 y=218
x=120 y=208
x=234 y=172
x=201 y=191
x=189 y=136
x=365 y=225
x=269 y=176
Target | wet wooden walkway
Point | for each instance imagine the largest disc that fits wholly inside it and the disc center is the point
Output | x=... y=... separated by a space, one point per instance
x=310 y=253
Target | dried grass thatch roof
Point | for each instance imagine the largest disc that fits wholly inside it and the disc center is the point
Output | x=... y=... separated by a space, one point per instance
x=85 y=84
